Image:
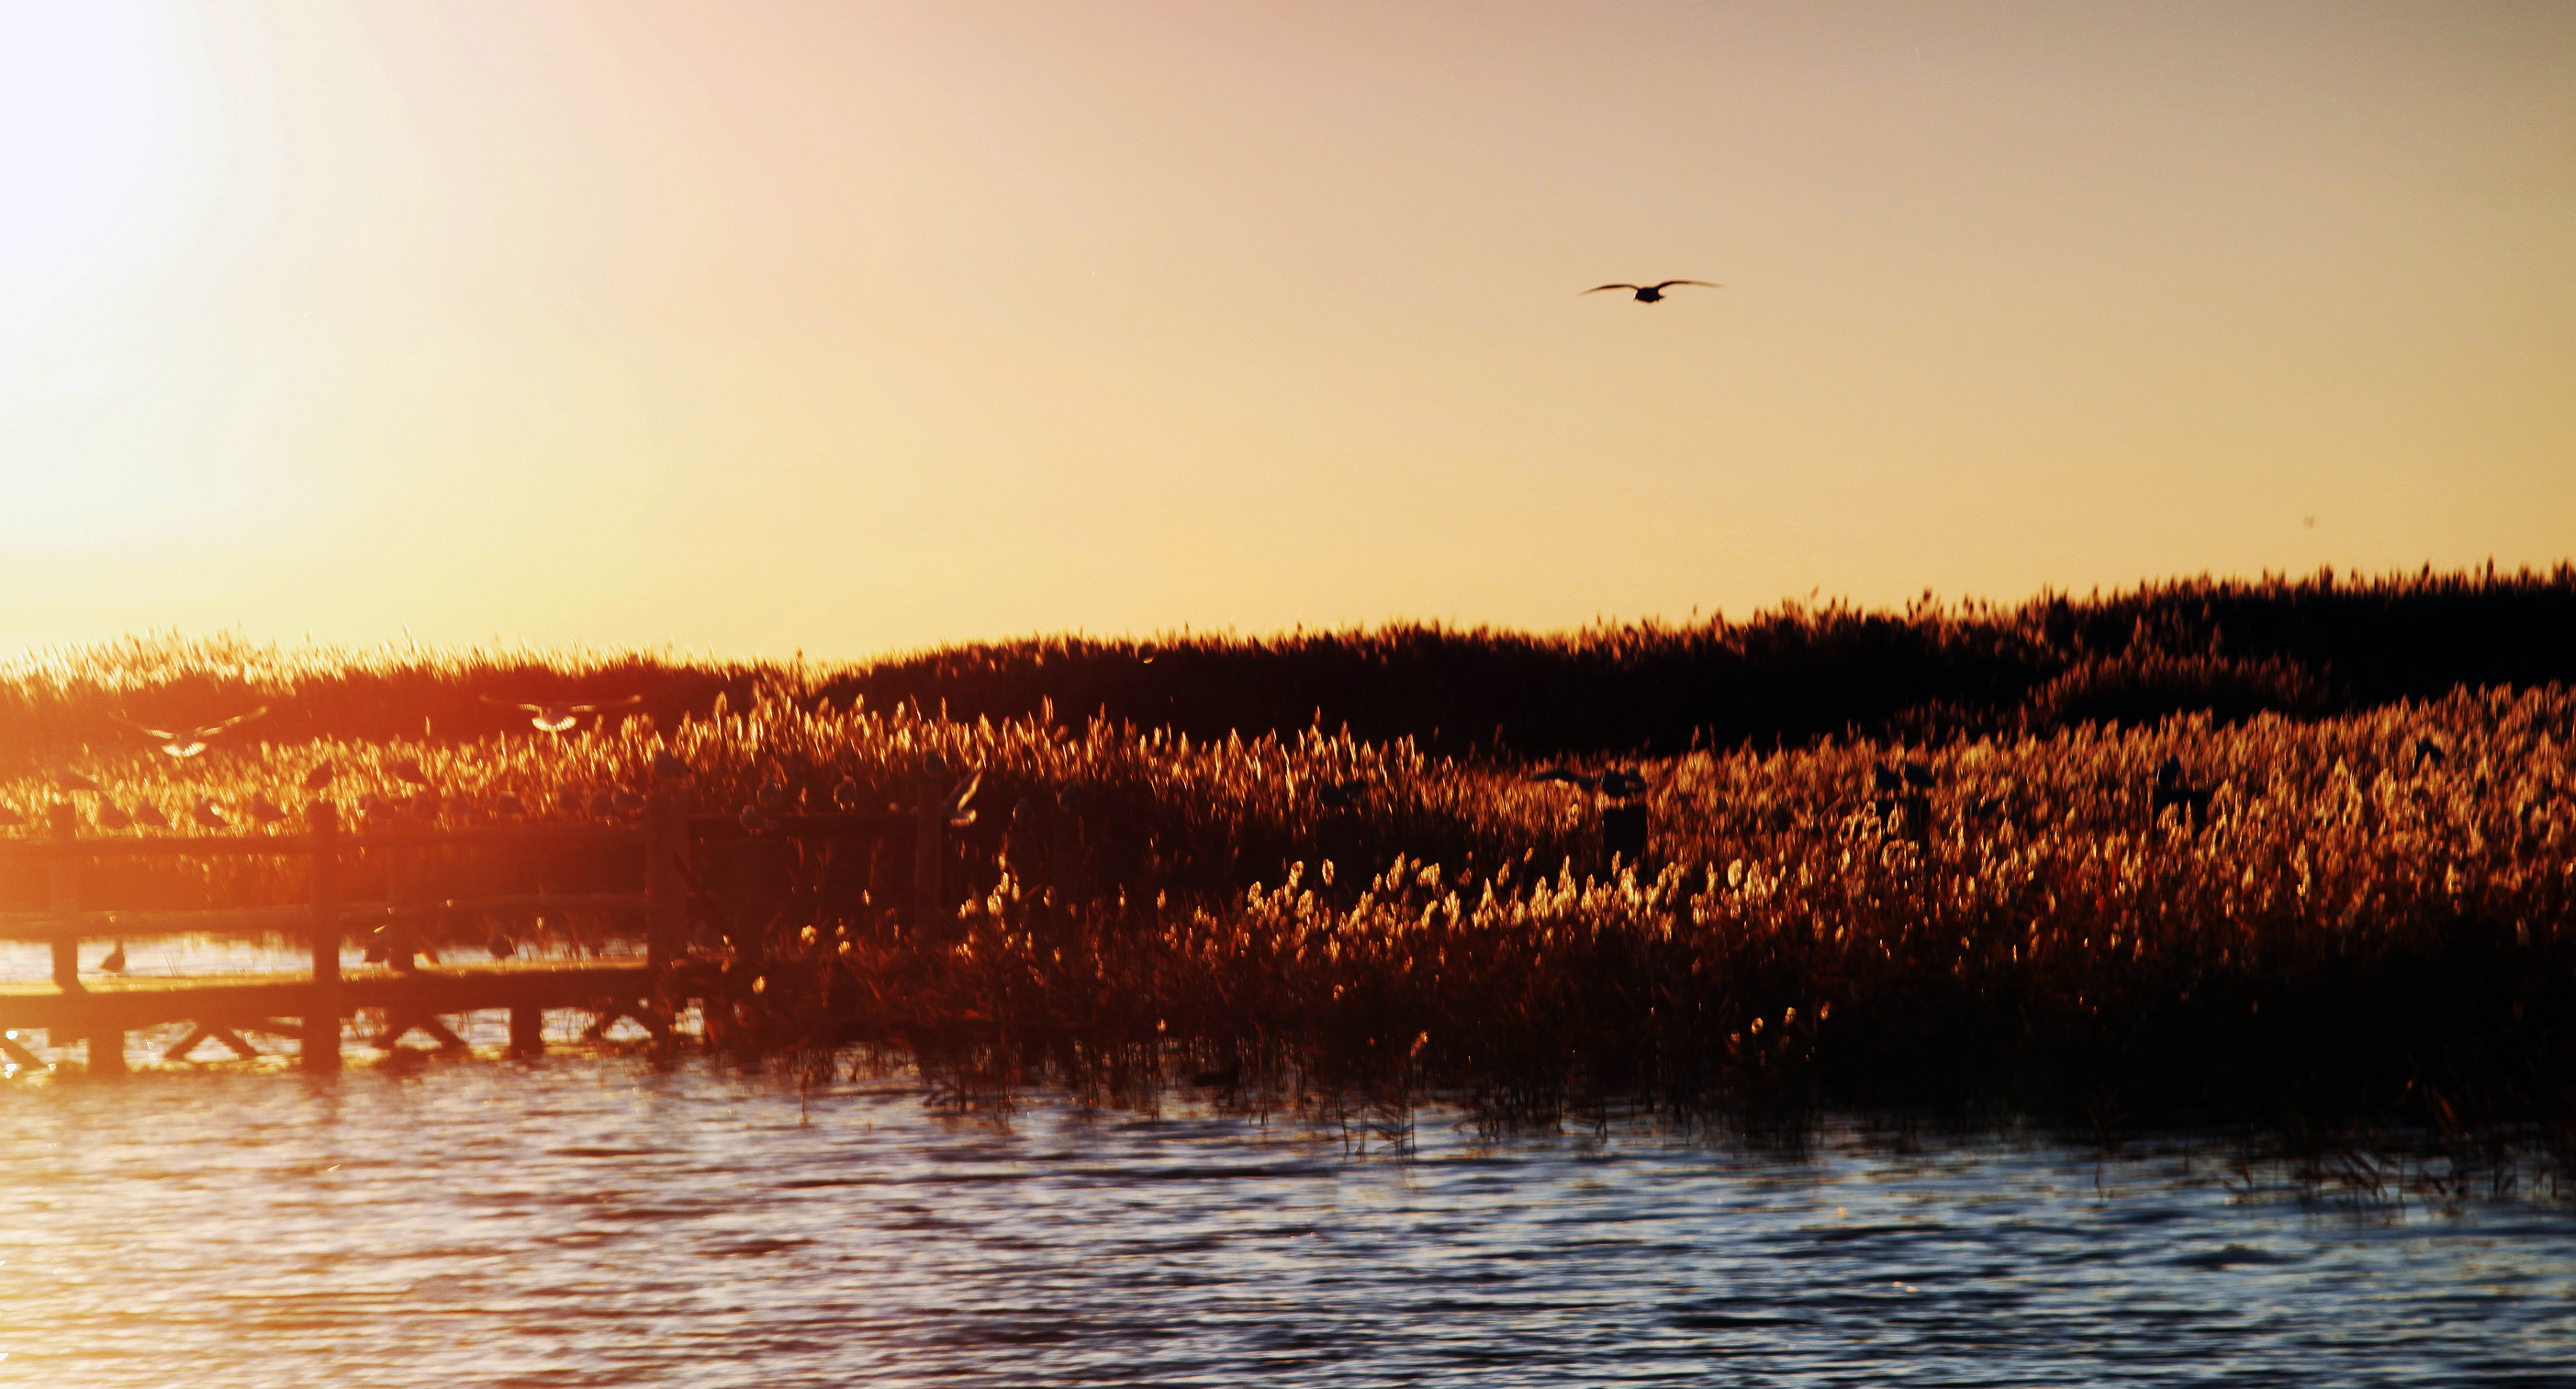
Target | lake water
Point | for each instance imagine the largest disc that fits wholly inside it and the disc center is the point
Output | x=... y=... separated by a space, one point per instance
x=589 y=1220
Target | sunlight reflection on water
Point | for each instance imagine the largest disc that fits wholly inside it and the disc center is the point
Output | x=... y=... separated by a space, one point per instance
x=589 y=1221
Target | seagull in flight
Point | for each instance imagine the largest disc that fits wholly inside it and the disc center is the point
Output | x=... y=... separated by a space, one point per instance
x=184 y=743
x=556 y=718
x=1654 y=293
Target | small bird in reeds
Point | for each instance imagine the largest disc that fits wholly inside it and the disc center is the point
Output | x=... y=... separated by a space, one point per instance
x=408 y=772
x=114 y=961
x=205 y=814
x=501 y=946
x=559 y=718
x=70 y=780
x=669 y=768
x=111 y=816
x=320 y=776
x=266 y=811
x=508 y=803
x=1654 y=293
x=9 y=816
x=184 y=743
x=771 y=795
x=753 y=821
x=2172 y=793
x=150 y=814
x=846 y=795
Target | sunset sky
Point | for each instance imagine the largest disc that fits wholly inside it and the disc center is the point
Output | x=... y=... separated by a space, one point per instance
x=853 y=327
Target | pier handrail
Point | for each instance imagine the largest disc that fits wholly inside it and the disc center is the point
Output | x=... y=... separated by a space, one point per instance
x=665 y=835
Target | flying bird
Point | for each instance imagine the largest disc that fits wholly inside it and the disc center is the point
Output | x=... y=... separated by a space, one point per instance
x=557 y=718
x=1654 y=293
x=184 y=743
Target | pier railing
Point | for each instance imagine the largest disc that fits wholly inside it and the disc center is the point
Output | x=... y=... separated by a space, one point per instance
x=310 y=1007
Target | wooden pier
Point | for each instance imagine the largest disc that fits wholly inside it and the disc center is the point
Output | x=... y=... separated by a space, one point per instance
x=310 y=1006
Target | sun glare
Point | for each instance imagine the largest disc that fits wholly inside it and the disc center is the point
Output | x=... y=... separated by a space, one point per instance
x=81 y=96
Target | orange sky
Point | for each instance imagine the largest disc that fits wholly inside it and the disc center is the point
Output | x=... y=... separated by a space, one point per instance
x=851 y=327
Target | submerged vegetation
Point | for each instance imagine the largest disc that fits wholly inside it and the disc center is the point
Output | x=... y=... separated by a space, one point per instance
x=2280 y=854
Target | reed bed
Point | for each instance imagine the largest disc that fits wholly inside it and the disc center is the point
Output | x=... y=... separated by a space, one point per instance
x=2305 y=914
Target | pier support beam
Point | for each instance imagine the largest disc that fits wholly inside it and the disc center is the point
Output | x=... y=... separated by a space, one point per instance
x=320 y=1043
x=527 y=1031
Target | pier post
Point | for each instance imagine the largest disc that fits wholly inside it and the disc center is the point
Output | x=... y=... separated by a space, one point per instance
x=666 y=892
x=106 y=1044
x=402 y=889
x=527 y=1030
x=928 y=858
x=62 y=879
x=321 y=1038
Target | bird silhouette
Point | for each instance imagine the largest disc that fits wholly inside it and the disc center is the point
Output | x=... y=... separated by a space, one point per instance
x=508 y=803
x=111 y=817
x=184 y=743
x=1654 y=293
x=558 y=718
x=408 y=772
x=9 y=816
x=669 y=768
x=772 y=794
x=501 y=946
x=319 y=777
x=846 y=795
x=114 y=963
x=754 y=822
x=205 y=814
x=150 y=814
x=70 y=780
x=265 y=810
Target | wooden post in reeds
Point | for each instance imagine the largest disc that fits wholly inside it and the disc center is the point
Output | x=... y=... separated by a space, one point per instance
x=321 y=1040
x=666 y=892
x=402 y=889
x=928 y=858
